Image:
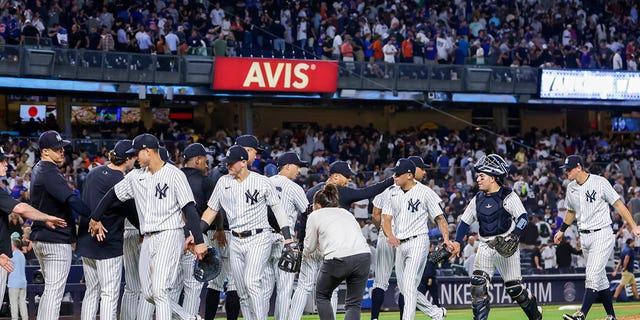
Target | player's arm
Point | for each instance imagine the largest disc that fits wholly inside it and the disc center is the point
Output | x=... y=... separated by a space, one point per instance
x=193 y=222
x=58 y=188
x=569 y=217
x=283 y=222
x=31 y=213
x=377 y=217
x=386 y=226
x=626 y=216
x=466 y=219
x=349 y=195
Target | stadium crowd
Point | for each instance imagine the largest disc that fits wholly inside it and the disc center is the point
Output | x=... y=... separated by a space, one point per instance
x=566 y=34
x=534 y=157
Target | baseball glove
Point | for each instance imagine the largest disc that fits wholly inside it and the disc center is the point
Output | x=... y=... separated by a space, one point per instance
x=439 y=255
x=209 y=267
x=506 y=246
x=291 y=258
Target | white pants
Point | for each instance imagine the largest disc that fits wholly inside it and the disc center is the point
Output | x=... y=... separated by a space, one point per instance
x=488 y=260
x=385 y=261
x=185 y=280
x=283 y=280
x=18 y=302
x=225 y=273
x=597 y=247
x=102 y=278
x=55 y=262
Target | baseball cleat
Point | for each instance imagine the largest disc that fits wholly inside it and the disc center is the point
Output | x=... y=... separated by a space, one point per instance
x=576 y=316
x=610 y=317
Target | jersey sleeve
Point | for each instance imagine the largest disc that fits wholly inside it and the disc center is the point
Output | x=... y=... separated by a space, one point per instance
x=7 y=203
x=434 y=204
x=469 y=214
x=183 y=192
x=513 y=205
x=123 y=189
x=608 y=193
x=270 y=193
x=214 y=200
x=567 y=200
x=299 y=198
x=388 y=209
x=380 y=200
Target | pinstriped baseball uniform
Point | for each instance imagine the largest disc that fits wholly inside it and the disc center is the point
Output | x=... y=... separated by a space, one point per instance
x=410 y=213
x=245 y=204
x=160 y=198
x=488 y=259
x=293 y=201
x=385 y=253
x=225 y=274
x=590 y=201
x=131 y=297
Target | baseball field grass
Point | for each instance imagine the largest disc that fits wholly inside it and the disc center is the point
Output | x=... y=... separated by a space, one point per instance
x=624 y=311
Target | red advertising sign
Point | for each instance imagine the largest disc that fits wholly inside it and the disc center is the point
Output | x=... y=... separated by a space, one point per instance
x=280 y=75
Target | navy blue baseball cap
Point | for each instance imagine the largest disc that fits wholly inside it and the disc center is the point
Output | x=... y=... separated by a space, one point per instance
x=52 y=140
x=418 y=162
x=248 y=141
x=235 y=154
x=122 y=147
x=342 y=168
x=4 y=155
x=195 y=150
x=144 y=141
x=571 y=162
x=164 y=155
x=404 y=166
x=290 y=158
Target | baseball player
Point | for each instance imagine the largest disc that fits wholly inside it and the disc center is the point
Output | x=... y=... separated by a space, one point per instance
x=195 y=169
x=100 y=260
x=50 y=193
x=385 y=253
x=588 y=198
x=339 y=174
x=294 y=202
x=500 y=215
x=162 y=193
x=9 y=205
x=410 y=206
x=245 y=196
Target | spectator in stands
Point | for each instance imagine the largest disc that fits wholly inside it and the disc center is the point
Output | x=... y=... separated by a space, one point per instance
x=548 y=255
x=172 y=41
x=30 y=34
x=17 y=282
x=564 y=252
x=529 y=235
x=625 y=265
x=78 y=39
x=536 y=259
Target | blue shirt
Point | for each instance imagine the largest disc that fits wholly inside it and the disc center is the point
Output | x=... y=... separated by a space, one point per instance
x=17 y=278
x=627 y=251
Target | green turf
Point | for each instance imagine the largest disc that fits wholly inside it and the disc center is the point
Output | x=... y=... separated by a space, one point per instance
x=515 y=313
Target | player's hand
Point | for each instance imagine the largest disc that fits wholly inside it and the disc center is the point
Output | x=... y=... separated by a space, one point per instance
x=455 y=248
x=199 y=250
x=188 y=244
x=393 y=241
x=430 y=282
x=558 y=237
x=53 y=222
x=636 y=231
x=97 y=230
x=6 y=262
x=221 y=238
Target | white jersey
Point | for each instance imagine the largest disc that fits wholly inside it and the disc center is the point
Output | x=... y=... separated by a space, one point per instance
x=511 y=203
x=590 y=201
x=159 y=197
x=245 y=203
x=411 y=210
x=379 y=202
x=292 y=197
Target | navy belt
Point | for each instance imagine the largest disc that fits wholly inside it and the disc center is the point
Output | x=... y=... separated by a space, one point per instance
x=590 y=231
x=407 y=239
x=246 y=234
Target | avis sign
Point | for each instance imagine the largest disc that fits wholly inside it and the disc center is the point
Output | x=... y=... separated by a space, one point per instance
x=278 y=75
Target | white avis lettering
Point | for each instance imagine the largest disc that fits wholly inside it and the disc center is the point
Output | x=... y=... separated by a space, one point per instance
x=264 y=75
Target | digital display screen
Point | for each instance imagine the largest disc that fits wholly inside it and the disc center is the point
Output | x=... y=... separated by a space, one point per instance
x=625 y=124
x=589 y=84
x=38 y=112
x=83 y=114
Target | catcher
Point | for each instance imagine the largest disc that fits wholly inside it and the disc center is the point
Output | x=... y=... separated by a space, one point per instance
x=501 y=218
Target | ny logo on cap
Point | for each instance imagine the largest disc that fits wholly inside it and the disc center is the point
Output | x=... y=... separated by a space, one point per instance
x=566 y=161
x=58 y=137
x=228 y=152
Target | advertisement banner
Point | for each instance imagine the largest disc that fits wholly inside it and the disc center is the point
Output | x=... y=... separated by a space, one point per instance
x=276 y=75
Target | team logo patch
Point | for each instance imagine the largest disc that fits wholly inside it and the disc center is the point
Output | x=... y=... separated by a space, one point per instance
x=413 y=205
x=161 y=191
x=251 y=198
x=591 y=196
x=488 y=206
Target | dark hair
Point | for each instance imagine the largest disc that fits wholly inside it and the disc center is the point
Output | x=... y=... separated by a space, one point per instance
x=16 y=243
x=327 y=196
x=115 y=159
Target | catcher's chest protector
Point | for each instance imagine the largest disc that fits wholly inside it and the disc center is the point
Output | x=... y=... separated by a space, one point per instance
x=492 y=217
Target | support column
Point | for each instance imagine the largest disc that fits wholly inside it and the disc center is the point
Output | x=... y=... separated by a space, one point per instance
x=501 y=118
x=145 y=113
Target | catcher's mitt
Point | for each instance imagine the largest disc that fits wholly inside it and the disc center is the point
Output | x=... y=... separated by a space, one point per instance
x=506 y=246
x=291 y=258
x=209 y=267
x=439 y=255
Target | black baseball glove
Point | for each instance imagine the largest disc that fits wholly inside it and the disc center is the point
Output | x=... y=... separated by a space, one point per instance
x=439 y=255
x=506 y=246
x=291 y=258
x=209 y=267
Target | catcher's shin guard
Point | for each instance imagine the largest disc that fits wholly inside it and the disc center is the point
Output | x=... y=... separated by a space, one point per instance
x=526 y=300
x=480 y=295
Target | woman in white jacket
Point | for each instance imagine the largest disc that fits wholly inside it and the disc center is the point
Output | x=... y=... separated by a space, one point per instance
x=334 y=232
